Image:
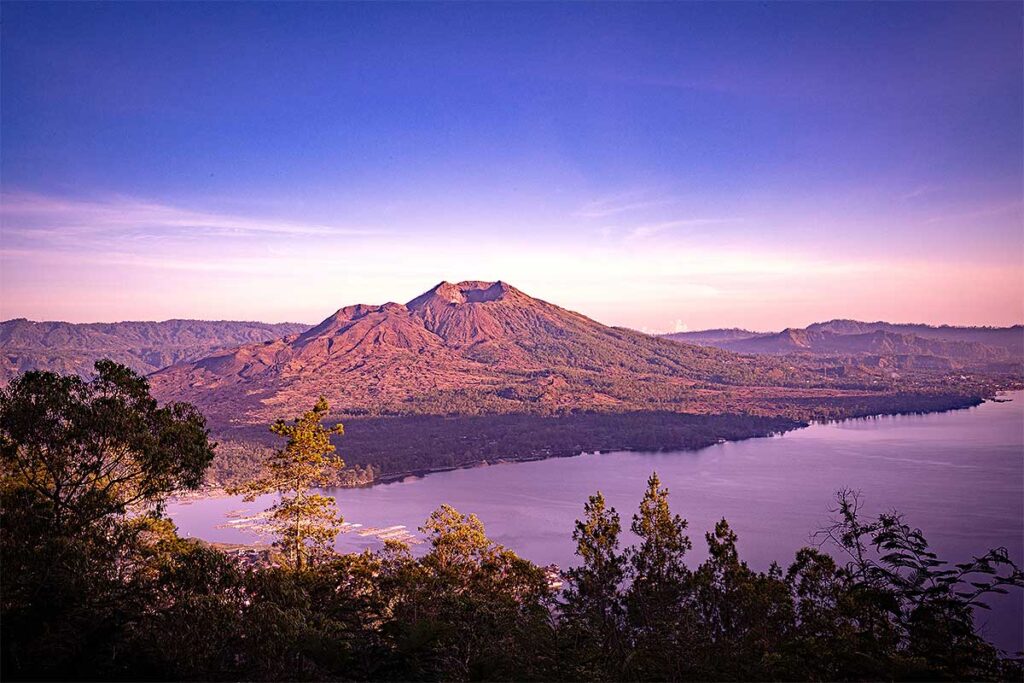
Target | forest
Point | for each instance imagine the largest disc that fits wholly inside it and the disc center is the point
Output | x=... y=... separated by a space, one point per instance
x=385 y=448
x=380 y=449
x=97 y=584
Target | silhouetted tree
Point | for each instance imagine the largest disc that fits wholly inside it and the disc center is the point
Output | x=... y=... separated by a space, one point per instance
x=659 y=614
x=921 y=606
x=90 y=450
x=593 y=609
x=78 y=459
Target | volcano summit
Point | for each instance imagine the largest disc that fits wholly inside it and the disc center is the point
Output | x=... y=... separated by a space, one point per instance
x=475 y=347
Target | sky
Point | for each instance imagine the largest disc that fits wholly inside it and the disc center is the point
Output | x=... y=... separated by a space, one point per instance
x=662 y=166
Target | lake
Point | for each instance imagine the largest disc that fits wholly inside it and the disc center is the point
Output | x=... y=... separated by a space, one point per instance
x=957 y=475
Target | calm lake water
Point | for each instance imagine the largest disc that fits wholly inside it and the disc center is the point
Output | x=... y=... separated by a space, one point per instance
x=959 y=476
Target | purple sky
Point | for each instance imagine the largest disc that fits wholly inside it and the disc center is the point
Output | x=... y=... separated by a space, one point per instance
x=661 y=166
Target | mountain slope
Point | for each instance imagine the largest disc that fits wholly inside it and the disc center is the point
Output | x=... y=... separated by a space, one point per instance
x=714 y=337
x=469 y=348
x=71 y=348
x=880 y=344
x=1010 y=338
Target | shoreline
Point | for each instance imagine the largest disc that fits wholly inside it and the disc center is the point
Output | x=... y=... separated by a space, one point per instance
x=220 y=491
x=398 y=477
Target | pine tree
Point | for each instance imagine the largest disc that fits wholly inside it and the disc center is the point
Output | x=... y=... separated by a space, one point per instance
x=593 y=609
x=659 y=559
x=305 y=523
x=659 y=617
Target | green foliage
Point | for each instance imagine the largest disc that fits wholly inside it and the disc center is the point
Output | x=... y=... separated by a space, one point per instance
x=468 y=608
x=78 y=459
x=925 y=603
x=593 y=609
x=456 y=540
x=96 y=585
x=895 y=611
x=89 y=450
x=658 y=616
x=305 y=523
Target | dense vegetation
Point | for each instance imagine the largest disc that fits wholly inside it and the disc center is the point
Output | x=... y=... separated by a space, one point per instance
x=385 y=448
x=97 y=585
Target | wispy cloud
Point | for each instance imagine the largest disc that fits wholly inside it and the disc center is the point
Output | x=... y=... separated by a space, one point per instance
x=41 y=217
x=920 y=191
x=1015 y=208
x=605 y=209
x=623 y=202
x=652 y=229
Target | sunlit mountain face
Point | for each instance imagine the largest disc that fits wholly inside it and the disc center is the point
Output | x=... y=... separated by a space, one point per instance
x=480 y=347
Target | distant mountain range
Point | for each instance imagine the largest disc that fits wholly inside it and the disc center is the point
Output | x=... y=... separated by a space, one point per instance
x=473 y=348
x=1010 y=338
x=469 y=348
x=145 y=347
x=898 y=345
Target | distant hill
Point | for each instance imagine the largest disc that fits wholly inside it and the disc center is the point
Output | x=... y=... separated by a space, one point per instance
x=902 y=345
x=714 y=337
x=878 y=342
x=479 y=347
x=1009 y=338
x=73 y=348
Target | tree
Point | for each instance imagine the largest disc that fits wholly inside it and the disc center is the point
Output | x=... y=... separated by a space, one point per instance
x=660 y=622
x=77 y=459
x=306 y=523
x=90 y=450
x=922 y=605
x=468 y=609
x=456 y=540
x=659 y=559
x=593 y=610
x=744 y=617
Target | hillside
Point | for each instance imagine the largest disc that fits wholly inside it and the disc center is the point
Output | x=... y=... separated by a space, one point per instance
x=878 y=342
x=880 y=345
x=487 y=348
x=1009 y=338
x=72 y=348
x=714 y=337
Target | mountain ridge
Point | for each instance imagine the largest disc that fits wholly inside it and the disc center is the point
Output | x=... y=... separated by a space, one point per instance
x=969 y=346
x=458 y=347
x=479 y=347
x=144 y=346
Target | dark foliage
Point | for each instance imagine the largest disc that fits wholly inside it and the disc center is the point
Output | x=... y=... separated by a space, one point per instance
x=390 y=448
x=97 y=586
x=387 y=448
x=77 y=458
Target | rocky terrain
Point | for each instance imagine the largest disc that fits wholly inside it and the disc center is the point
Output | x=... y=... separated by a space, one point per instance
x=70 y=348
x=487 y=348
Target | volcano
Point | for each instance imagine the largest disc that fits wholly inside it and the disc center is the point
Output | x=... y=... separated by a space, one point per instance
x=472 y=348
